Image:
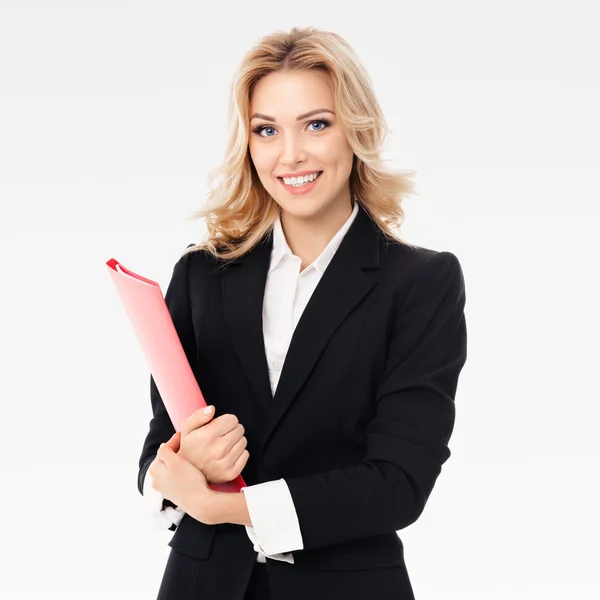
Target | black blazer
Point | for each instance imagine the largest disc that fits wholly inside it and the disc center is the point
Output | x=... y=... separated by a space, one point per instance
x=361 y=419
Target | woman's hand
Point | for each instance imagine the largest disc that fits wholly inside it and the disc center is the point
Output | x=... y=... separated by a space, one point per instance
x=179 y=481
x=216 y=447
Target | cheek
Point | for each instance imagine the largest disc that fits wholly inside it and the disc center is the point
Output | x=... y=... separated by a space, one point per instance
x=337 y=154
x=262 y=162
x=344 y=151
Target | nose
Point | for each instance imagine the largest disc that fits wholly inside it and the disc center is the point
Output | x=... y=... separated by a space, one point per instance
x=292 y=151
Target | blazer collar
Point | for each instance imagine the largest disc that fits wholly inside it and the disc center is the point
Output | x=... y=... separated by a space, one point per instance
x=348 y=278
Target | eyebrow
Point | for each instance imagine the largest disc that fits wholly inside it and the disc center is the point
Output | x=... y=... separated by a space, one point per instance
x=308 y=114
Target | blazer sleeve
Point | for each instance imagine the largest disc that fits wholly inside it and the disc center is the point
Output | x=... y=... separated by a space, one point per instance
x=161 y=429
x=407 y=438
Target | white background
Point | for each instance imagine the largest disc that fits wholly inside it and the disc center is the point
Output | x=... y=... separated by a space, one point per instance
x=112 y=114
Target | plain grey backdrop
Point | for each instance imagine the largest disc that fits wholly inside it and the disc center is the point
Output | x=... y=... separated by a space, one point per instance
x=112 y=114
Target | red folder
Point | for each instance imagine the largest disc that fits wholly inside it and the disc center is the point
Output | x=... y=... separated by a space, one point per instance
x=149 y=315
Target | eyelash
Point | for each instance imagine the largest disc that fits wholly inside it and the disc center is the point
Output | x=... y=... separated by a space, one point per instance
x=257 y=130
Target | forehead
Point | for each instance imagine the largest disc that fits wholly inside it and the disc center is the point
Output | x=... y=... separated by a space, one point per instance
x=288 y=94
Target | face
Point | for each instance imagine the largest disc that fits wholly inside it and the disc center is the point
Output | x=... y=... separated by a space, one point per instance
x=284 y=140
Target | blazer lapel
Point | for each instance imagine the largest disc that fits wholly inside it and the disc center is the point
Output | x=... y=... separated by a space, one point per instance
x=243 y=287
x=345 y=282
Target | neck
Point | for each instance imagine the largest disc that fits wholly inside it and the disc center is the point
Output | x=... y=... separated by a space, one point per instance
x=308 y=237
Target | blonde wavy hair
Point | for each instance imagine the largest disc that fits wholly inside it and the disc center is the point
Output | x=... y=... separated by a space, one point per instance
x=240 y=212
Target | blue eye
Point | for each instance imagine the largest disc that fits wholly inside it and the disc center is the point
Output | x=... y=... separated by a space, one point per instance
x=258 y=130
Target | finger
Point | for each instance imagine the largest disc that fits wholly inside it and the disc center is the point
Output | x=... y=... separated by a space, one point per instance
x=163 y=453
x=175 y=441
x=239 y=446
x=225 y=424
x=156 y=467
x=197 y=419
x=241 y=461
x=234 y=437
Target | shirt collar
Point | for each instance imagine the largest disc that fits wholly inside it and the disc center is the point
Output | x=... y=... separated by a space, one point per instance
x=281 y=247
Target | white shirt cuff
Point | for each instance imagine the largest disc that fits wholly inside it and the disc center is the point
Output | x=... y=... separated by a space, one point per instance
x=163 y=518
x=275 y=530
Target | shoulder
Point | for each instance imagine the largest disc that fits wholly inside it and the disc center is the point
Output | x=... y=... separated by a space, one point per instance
x=197 y=261
x=424 y=269
x=412 y=259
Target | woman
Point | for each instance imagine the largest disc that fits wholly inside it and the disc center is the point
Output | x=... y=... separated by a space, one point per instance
x=330 y=348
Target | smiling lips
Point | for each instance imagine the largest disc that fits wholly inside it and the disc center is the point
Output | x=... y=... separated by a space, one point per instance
x=300 y=176
x=301 y=189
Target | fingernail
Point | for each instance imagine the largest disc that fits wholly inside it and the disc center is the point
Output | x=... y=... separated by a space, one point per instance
x=207 y=409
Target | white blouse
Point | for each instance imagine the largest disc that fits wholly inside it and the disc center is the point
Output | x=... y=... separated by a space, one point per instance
x=275 y=531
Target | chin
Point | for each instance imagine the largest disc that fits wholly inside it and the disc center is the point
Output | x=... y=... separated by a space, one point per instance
x=315 y=213
x=300 y=206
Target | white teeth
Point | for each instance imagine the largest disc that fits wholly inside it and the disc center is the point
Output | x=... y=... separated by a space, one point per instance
x=300 y=181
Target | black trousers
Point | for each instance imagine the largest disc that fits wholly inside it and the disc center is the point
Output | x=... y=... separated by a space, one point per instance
x=180 y=581
x=258 y=587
